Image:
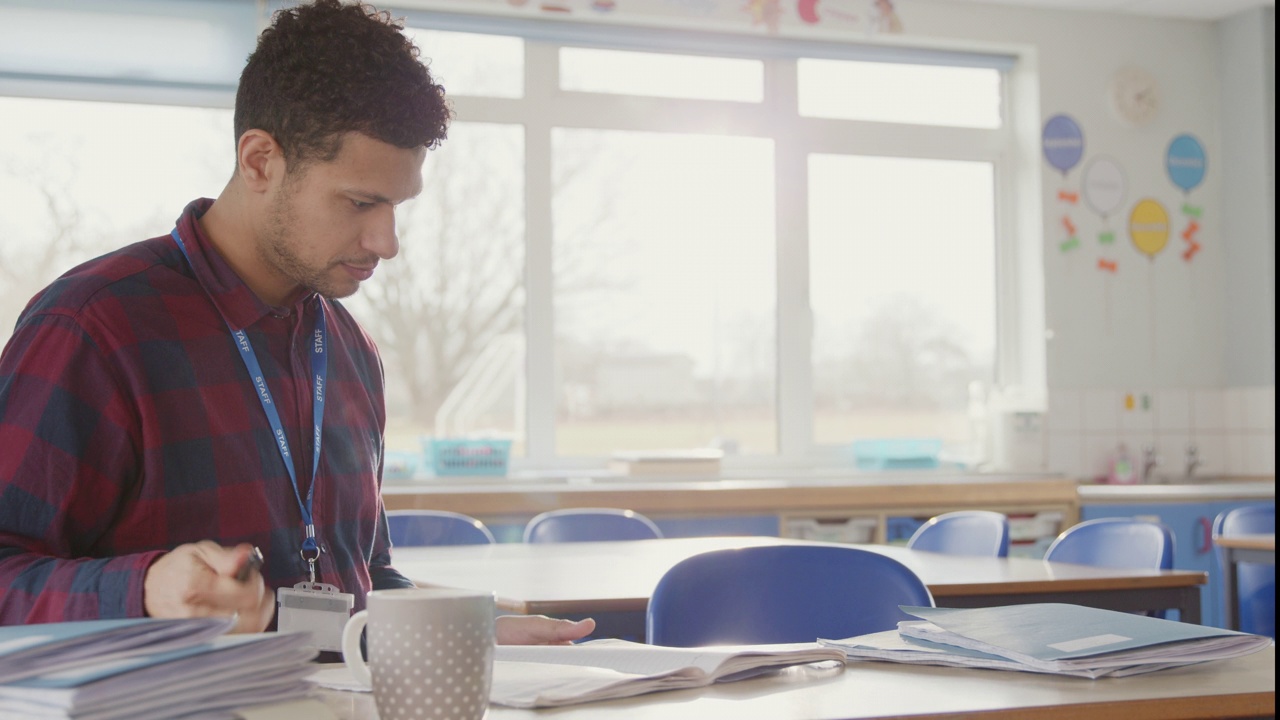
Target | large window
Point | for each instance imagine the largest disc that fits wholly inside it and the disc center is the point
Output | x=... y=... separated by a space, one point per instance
x=664 y=307
x=902 y=268
x=78 y=179
x=630 y=240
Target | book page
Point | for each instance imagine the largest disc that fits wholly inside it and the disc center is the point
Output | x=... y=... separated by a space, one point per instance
x=619 y=655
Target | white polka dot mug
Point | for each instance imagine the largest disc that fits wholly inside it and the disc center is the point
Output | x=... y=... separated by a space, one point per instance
x=430 y=652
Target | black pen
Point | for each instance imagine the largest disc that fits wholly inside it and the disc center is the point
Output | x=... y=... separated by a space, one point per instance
x=253 y=563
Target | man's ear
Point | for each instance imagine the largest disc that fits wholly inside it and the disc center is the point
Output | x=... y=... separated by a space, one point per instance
x=259 y=160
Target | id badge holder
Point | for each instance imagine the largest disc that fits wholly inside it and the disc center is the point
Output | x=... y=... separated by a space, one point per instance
x=318 y=608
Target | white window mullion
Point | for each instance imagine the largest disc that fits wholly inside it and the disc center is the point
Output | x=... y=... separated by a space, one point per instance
x=794 y=316
x=541 y=71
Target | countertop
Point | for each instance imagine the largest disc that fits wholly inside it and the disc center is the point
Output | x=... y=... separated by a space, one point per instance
x=1232 y=488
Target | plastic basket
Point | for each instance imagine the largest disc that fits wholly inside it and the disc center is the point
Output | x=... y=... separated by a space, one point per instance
x=399 y=465
x=448 y=457
x=896 y=453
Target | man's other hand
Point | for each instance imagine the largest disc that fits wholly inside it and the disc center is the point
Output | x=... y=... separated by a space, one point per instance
x=199 y=580
x=540 y=630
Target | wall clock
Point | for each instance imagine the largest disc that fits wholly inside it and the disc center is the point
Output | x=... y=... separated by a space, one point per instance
x=1135 y=96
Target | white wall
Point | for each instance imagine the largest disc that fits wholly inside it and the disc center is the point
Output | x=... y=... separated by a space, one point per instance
x=1247 y=43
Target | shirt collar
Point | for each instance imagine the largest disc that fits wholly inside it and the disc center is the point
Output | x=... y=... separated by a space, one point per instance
x=239 y=305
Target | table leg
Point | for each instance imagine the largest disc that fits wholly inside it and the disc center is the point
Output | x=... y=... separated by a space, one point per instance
x=1231 y=579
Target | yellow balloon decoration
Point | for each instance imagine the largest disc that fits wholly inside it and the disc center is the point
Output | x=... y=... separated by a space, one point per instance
x=1149 y=227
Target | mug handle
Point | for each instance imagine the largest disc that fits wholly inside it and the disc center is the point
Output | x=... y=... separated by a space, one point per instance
x=351 y=648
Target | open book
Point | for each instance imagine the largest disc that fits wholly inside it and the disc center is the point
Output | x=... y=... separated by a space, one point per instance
x=534 y=676
x=129 y=678
x=1049 y=638
x=553 y=675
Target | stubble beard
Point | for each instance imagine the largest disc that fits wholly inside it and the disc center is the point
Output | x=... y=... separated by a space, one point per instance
x=280 y=248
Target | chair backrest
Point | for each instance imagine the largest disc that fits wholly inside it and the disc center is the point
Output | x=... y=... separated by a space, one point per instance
x=1255 y=583
x=965 y=532
x=589 y=525
x=781 y=594
x=435 y=527
x=1116 y=543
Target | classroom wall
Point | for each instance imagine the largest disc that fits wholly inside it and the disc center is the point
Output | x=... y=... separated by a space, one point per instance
x=1166 y=348
x=1247 y=49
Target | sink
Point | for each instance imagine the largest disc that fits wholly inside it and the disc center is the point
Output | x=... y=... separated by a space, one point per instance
x=1200 y=479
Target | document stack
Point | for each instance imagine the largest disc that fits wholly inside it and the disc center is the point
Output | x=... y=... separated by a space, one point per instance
x=144 y=668
x=1048 y=638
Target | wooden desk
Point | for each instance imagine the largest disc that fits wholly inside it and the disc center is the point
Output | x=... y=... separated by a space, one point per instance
x=1238 y=549
x=613 y=581
x=1240 y=688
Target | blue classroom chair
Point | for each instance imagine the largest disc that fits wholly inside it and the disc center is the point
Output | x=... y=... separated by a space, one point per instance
x=1116 y=543
x=965 y=532
x=589 y=525
x=435 y=527
x=780 y=594
x=1255 y=583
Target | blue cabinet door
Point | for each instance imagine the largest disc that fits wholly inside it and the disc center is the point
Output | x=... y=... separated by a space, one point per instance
x=1192 y=526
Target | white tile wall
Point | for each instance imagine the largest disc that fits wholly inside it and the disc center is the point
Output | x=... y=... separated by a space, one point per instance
x=1259 y=454
x=1171 y=452
x=1102 y=410
x=1172 y=409
x=1235 y=454
x=1233 y=404
x=1212 y=448
x=1233 y=430
x=1066 y=411
x=1098 y=451
x=1259 y=406
x=1209 y=410
x=1139 y=419
x=1066 y=455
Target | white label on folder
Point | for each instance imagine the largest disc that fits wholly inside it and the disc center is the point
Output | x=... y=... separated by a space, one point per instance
x=1089 y=642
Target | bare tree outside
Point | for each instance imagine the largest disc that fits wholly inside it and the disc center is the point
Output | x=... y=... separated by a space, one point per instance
x=73 y=186
x=459 y=280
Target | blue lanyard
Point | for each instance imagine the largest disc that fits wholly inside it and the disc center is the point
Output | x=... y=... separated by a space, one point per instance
x=319 y=368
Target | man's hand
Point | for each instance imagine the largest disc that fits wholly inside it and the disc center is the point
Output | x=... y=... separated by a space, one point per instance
x=199 y=580
x=540 y=630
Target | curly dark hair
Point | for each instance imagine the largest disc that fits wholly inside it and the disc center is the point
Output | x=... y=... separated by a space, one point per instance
x=325 y=69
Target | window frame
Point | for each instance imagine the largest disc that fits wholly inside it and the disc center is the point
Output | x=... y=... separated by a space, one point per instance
x=1013 y=150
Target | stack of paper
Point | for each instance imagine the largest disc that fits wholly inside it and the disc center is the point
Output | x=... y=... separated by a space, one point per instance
x=144 y=668
x=697 y=462
x=1048 y=638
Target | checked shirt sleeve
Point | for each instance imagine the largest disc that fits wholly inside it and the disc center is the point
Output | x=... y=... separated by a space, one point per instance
x=68 y=457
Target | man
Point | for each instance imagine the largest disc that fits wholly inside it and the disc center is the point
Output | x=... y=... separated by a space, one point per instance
x=169 y=406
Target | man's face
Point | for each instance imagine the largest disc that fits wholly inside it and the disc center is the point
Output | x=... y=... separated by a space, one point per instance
x=331 y=222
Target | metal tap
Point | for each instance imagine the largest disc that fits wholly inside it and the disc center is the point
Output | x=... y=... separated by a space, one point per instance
x=1149 y=462
x=1193 y=459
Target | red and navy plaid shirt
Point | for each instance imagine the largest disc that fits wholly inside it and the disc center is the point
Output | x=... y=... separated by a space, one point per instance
x=129 y=426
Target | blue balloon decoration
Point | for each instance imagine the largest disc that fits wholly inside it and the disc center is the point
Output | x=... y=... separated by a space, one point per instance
x=1185 y=162
x=1063 y=142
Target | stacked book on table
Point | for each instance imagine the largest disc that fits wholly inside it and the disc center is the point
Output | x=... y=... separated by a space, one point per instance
x=1048 y=638
x=145 y=668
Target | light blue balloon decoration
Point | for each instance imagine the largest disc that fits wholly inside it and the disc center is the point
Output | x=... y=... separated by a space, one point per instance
x=1185 y=162
x=1063 y=142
